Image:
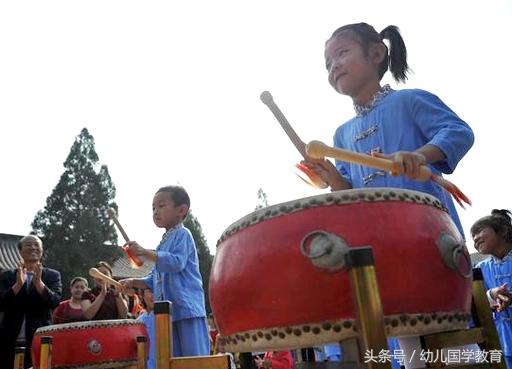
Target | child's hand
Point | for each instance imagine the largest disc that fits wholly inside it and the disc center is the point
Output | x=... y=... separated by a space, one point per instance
x=502 y=296
x=327 y=172
x=406 y=163
x=127 y=284
x=135 y=248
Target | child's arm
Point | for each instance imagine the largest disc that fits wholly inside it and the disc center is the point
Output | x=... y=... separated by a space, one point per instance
x=134 y=283
x=408 y=163
x=442 y=128
x=174 y=254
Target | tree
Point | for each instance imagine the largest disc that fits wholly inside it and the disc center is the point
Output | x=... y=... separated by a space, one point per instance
x=203 y=253
x=262 y=200
x=74 y=225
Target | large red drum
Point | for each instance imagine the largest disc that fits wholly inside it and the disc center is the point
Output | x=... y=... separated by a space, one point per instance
x=278 y=279
x=92 y=344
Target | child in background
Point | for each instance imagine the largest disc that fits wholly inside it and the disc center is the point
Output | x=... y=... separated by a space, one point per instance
x=148 y=318
x=176 y=276
x=71 y=310
x=492 y=235
x=275 y=360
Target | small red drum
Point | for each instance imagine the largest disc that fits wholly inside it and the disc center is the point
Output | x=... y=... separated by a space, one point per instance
x=91 y=344
x=278 y=279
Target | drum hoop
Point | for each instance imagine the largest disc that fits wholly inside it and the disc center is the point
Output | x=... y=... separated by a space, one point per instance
x=89 y=324
x=396 y=325
x=344 y=197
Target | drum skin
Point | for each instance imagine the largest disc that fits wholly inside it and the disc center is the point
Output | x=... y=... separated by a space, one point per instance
x=266 y=294
x=91 y=344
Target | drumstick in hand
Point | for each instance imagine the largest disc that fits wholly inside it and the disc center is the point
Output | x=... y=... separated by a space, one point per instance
x=95 y=273
x=135 y=261
x=112 y=214
x=319 y=150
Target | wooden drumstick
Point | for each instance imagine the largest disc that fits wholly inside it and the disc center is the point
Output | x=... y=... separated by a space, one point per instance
x=112 y=214
x=95 y=273
x=135 y=261
x=319 y=150
x=267 y=99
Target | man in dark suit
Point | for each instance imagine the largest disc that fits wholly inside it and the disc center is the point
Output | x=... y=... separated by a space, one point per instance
x=27 y=296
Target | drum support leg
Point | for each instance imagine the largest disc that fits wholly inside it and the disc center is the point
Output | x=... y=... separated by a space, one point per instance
x=368 y=307
x=483 y=334
x=164 y=359
x=19 y=357
x=141 y=352
x=163 y=317
x=45 y=359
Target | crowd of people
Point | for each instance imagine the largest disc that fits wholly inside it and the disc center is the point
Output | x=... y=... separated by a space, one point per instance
x=410 y=127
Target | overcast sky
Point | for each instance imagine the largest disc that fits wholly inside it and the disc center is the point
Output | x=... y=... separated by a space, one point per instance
x=170 y=92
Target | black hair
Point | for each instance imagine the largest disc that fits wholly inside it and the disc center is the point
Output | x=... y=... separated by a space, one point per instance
x=79 y=279
x=500 y=221
x=366 y=35
x=105 y=265
x=178 y=195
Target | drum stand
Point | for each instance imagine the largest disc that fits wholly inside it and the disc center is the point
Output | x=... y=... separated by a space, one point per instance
x=371 y=329
x=164 y=359
x=484 y=333
x=371 y=338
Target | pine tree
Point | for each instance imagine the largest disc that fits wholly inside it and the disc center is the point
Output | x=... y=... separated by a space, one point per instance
x=203 y=253
x=74 y=225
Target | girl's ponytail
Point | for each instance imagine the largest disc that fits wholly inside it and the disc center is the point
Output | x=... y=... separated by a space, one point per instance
x=396 y=61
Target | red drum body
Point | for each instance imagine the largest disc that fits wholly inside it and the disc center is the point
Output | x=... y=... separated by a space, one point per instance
x=272 y=285
x=92 y=344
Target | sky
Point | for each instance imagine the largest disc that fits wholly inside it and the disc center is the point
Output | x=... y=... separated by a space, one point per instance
x=170 y=91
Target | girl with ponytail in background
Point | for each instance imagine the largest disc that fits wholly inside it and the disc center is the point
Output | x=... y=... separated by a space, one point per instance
x=492 y=235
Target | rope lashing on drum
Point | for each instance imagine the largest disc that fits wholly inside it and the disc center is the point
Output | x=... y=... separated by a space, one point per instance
x=319 y=150
x=304 y=172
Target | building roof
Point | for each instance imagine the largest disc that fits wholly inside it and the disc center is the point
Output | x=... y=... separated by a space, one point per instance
x=477 y=257
x=121 y=269
x=9 y=253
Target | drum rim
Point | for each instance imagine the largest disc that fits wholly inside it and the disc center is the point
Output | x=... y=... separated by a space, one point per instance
x=90 y=324
x=343 y=197
x=404 y=324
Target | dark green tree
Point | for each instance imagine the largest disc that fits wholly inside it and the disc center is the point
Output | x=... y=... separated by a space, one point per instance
x=203 y=253
x=74 y=224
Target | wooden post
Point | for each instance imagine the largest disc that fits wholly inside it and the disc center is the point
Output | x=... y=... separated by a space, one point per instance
x=484 y=317
x=368 y=307
x=45 y=359
x=163 y=317
x=19 y=357
x=141 y=352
